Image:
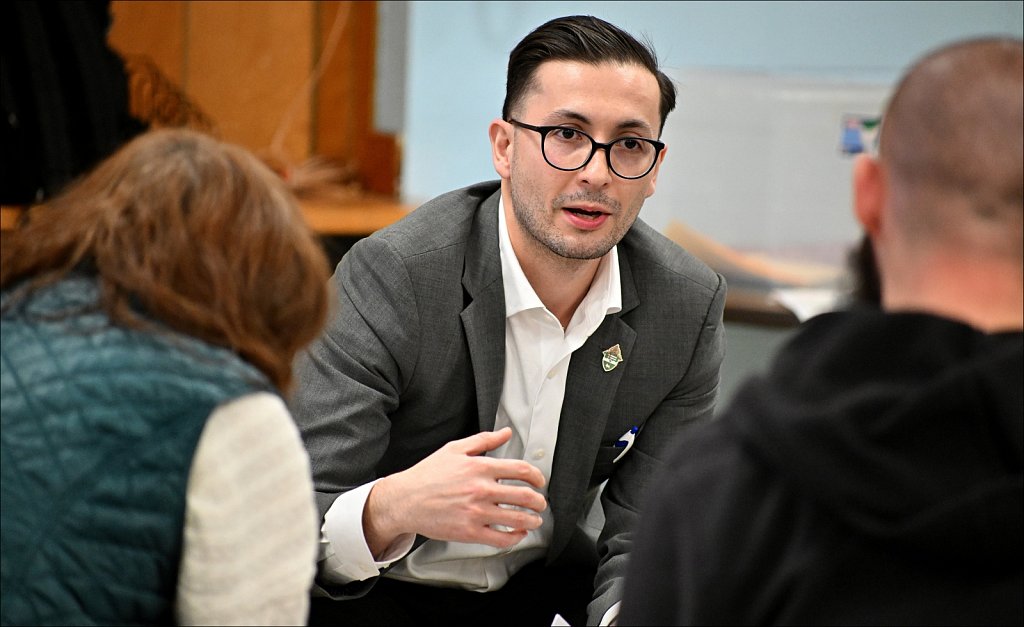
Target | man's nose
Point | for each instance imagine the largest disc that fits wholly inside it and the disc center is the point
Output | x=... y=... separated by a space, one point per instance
x=597 y=172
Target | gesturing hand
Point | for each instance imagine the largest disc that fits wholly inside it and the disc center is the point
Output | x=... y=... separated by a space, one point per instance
x=456 y=494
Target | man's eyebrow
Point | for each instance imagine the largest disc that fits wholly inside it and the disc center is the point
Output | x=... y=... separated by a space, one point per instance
x=626 y=125
x=572 y=115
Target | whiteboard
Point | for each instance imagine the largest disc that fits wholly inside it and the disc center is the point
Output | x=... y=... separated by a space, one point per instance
x=755 y=161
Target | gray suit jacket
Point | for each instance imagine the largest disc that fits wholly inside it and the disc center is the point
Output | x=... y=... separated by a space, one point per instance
x=414 y=357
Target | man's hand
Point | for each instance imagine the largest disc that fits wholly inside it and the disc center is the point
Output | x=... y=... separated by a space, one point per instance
x=456 y=494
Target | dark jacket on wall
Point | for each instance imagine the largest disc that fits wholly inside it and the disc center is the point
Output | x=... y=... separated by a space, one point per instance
x=65 y=96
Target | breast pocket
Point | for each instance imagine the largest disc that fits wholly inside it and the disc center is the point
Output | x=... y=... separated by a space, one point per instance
x=604 y=464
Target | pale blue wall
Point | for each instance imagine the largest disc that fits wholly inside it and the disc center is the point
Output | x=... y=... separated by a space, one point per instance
x=456 y=54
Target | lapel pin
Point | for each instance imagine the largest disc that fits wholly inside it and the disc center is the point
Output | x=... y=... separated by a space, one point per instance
x=611 y=357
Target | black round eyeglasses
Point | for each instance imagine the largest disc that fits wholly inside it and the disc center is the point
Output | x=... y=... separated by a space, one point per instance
x=566 y=148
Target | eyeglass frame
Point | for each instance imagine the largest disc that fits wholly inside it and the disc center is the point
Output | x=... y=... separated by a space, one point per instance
x=594 y=146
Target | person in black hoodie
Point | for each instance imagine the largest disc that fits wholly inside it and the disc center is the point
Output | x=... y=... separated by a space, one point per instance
x=873 y=475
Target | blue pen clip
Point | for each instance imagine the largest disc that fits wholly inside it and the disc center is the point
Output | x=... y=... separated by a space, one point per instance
x=625 y=442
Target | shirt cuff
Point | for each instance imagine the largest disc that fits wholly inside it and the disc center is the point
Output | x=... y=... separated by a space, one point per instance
x=345 y=553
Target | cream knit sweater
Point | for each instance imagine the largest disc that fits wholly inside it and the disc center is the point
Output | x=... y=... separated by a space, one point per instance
x=251 y=533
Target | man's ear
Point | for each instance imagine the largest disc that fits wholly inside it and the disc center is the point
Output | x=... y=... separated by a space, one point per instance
x=500 y=132
x=868 y=193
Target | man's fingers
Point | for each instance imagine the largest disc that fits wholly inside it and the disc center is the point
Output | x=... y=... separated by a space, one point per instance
x=520 y=496
x=508 y=526
x=517 y=470
x=500 y=469
x=482 y=442
x=516 y=518
x=499 y=539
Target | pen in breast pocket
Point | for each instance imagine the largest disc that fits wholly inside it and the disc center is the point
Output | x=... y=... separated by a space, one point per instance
x=625 y=442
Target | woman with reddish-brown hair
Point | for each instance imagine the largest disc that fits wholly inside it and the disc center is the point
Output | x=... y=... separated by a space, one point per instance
x=151 y=471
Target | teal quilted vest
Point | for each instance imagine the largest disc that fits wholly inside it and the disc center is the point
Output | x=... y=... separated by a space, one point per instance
x=99 y=426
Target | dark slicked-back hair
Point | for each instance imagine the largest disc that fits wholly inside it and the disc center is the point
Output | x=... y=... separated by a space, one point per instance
x=585 y=39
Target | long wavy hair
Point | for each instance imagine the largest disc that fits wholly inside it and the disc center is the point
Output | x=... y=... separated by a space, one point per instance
x=188 y=231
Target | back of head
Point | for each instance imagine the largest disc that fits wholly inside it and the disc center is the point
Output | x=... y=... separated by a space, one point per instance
x=188 y=231
x=951 y=142
x=584 y=39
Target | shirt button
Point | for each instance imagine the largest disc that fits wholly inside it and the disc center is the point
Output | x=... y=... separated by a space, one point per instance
x=551 y=375
x=538 y=454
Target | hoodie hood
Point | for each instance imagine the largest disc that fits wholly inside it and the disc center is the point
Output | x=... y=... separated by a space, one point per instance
x=907 y=428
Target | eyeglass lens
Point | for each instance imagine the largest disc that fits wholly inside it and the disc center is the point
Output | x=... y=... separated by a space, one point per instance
x=570 y=149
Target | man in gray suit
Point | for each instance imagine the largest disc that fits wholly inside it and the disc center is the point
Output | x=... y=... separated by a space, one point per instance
x=504 y=352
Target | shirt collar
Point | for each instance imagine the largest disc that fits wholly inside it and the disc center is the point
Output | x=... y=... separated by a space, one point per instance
x=603 y=298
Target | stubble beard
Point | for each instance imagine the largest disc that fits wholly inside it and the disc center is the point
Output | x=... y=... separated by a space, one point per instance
x=537 y=221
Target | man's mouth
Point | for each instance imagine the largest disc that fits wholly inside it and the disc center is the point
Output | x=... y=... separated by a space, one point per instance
x=590 y=214
x=585 y=218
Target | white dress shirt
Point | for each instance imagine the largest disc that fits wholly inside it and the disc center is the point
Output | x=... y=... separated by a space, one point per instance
x=537 y=355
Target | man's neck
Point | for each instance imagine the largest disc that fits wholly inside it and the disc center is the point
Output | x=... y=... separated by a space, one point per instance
x=560 y=283
x=985 y=294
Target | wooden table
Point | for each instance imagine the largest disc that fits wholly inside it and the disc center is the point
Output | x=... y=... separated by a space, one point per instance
x=360 y=217
x=756 y=307
x=9 y=217
x=342 y=223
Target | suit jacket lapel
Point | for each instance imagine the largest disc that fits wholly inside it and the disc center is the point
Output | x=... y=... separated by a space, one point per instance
x=483 y=318
x=589 y=391
x=589 y=395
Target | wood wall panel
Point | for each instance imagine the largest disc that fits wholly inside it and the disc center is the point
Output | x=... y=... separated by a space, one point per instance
x=344 y=102
x=155 y=29
x=247 y=64
x=345 y=94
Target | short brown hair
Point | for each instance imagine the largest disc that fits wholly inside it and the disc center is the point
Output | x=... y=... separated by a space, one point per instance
x=191 y=232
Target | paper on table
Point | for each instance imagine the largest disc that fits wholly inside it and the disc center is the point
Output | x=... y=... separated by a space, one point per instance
x=740 y=268
x=807 y=302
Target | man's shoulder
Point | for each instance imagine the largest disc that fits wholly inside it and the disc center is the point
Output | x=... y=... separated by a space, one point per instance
x=655 y=258
x=442 y=222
